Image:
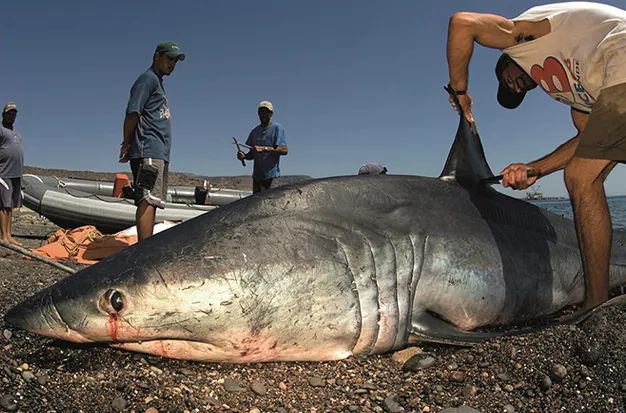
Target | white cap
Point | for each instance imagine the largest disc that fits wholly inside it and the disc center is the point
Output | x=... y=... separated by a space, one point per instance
x=9 y=106
x=266 y=104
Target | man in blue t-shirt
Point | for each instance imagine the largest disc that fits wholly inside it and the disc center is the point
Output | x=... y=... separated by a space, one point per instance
x=11 y=169
x=147 y=136
x=267 y=142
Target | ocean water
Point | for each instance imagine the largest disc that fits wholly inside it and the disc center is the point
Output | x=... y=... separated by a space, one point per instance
x=617 y=207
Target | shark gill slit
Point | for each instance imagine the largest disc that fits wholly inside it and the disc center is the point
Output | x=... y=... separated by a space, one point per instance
x=419 y=250
x=359 y=316
x=387 y=271
x=384 y=274
x=367 y=293
x=405 y=270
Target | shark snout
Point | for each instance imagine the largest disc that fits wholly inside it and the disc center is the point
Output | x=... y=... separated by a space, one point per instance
x=29 y=314
x=39 y=315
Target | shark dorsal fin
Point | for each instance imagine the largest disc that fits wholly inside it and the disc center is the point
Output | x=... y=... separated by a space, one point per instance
x=466 y=161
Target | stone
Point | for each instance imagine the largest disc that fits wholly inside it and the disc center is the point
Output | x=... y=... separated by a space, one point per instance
x=7 y=402
x=118 y=404
x=559 y=372
x=258 y=388
x=316 y=381
x=461 y=409
x=391 y=406
x=402 y=356
x=419 y=362
x=233 y=385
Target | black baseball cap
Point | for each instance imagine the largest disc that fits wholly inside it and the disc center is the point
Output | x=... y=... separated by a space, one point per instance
x=508 y=98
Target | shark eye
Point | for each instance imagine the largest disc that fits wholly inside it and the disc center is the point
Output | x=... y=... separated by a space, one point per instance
x=112 y=301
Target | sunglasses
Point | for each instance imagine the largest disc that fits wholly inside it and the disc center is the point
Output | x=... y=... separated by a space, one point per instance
x=522 y=81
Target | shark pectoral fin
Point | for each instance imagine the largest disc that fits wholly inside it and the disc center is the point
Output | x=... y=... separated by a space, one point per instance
x=582 y=315
x=426 y=327
x=577 y=318
x=619 y=301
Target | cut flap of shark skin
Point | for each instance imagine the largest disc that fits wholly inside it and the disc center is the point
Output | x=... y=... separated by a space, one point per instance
x=466 y=161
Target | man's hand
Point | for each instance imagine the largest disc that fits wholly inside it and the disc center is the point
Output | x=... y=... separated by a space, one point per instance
x=466 y=104
x=241 y=155
x=124 y=152
x=515 y=176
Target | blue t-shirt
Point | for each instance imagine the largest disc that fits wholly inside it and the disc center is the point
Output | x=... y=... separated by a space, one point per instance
x=11 y=153
x=153 y=138
x=266 y=163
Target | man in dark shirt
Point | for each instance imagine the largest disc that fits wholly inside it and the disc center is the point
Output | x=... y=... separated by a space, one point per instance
x=147 y=136
x=11 y=169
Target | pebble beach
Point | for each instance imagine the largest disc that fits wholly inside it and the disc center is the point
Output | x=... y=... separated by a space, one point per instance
x=564 y=368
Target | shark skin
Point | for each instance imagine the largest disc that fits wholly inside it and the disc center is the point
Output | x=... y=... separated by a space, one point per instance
x=329 y=268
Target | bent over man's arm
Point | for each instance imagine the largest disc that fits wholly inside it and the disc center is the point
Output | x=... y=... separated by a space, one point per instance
x=464 y=29
x=515 y=175
x=557 y=159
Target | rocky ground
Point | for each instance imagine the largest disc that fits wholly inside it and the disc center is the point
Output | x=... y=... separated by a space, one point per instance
x=567 y=368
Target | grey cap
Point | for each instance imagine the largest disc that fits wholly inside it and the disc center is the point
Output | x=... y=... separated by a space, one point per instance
x=372 y=169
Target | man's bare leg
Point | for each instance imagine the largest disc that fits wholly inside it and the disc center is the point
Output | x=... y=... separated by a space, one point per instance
x=144 y=218
x=584 y=179
x=6 y=227
x=5 y=219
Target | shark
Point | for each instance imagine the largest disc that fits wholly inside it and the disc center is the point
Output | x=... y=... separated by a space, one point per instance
x=329 y=268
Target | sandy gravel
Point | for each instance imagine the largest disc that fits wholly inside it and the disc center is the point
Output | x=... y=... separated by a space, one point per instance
x=566 y=368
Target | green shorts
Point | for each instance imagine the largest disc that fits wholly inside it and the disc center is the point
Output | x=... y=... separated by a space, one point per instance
x=604 y=136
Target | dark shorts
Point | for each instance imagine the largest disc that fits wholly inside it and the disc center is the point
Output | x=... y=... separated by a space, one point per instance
x=262 y=185
x=158 y=194
x=10 y=193
x=604 y=136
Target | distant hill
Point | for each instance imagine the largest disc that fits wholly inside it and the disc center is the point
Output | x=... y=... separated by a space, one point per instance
x=175 y=178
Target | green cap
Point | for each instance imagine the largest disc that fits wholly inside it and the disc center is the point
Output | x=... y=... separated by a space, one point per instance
x=171 y=49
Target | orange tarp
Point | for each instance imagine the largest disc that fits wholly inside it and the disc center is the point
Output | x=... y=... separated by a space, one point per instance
x=85 y=245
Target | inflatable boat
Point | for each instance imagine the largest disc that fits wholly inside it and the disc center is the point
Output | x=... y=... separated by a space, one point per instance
x=176 y=194
x=59 y=201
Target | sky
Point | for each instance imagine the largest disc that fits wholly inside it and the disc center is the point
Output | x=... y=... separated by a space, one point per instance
x=352 y=81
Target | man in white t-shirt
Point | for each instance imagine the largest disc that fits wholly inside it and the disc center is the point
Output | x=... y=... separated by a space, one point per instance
x=576 y=52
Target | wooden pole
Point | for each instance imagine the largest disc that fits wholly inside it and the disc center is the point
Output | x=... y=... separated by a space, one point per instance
x=31 y=254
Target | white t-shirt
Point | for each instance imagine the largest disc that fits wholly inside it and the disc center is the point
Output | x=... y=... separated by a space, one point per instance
x=584 y=52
